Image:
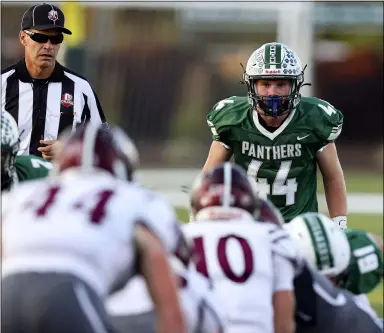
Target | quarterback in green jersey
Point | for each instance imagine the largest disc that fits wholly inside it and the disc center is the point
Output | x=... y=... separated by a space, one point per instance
x=16 y=168
x=280 y=137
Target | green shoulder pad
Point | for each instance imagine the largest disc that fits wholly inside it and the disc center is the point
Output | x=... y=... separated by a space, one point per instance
x=366 y=267
x=31 y=167
x=225 y=114
x=326 y=119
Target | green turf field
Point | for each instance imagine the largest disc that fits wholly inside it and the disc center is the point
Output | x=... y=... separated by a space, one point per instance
x=360 y=182
x=369 y=223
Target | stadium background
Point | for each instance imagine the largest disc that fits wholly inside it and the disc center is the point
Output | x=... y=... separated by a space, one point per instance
x=159 y=67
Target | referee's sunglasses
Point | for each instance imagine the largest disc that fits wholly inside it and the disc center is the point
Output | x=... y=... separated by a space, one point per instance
x=42 y=38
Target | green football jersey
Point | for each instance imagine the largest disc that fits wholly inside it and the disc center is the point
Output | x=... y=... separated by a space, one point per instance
x=30 y=167
x=365 y=270
x=283 y=162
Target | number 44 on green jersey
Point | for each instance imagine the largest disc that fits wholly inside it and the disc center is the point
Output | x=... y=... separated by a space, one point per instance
x=282 y=163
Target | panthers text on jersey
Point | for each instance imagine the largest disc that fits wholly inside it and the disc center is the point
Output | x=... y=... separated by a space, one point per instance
x=81 y=225
x=238 y=257
x=283 y=162
x=31 y=167
x=365 y=270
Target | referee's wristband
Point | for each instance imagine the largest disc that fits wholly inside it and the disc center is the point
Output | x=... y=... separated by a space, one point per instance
x=341 y=221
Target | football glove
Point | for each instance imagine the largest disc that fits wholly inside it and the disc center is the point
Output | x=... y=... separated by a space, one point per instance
x=341 y=221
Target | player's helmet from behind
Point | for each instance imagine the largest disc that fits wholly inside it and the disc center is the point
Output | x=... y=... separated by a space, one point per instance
x=10 y=145
x=274 y=61
x=223 y=192
x=323 y=243
x=92 y=147
x=268 y=212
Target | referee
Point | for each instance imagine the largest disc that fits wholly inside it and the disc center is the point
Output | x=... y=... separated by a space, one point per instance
x=43 y=96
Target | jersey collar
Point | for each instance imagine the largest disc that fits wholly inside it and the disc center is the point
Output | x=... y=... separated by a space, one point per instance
x=24 y=76
x=264 y=131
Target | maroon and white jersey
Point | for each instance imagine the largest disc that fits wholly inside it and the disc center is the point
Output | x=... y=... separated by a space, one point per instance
x=201 y=306
x=82 y=225
x=247 y=263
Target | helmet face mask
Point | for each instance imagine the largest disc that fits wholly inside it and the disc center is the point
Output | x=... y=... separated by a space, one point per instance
x=8 y=166
x=10 y=145
x=274 y=61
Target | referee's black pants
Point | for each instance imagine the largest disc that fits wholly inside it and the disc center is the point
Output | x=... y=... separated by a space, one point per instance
x=51 y=303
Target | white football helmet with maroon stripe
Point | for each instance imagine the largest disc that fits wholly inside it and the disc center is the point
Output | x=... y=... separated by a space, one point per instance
x=92 y=147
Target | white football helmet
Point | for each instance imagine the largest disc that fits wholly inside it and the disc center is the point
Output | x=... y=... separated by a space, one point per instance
x=322 y=243
x=273 y=61
x=108 y=149
x=10 y=145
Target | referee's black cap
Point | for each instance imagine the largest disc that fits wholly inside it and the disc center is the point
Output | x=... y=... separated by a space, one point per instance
x=43 y=17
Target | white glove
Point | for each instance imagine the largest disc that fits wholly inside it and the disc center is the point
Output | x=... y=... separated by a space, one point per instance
x=341 y=221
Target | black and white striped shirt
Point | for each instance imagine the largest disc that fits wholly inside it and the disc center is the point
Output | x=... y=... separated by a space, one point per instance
x=43 y=108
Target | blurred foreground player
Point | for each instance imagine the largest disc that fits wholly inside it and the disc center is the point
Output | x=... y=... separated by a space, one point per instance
x=321 y=306
x=131 y=309
x=251 y=265
x=71 y=239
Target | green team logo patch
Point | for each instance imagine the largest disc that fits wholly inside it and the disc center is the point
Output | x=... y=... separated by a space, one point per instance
x=272 y=56
x=324 y=257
